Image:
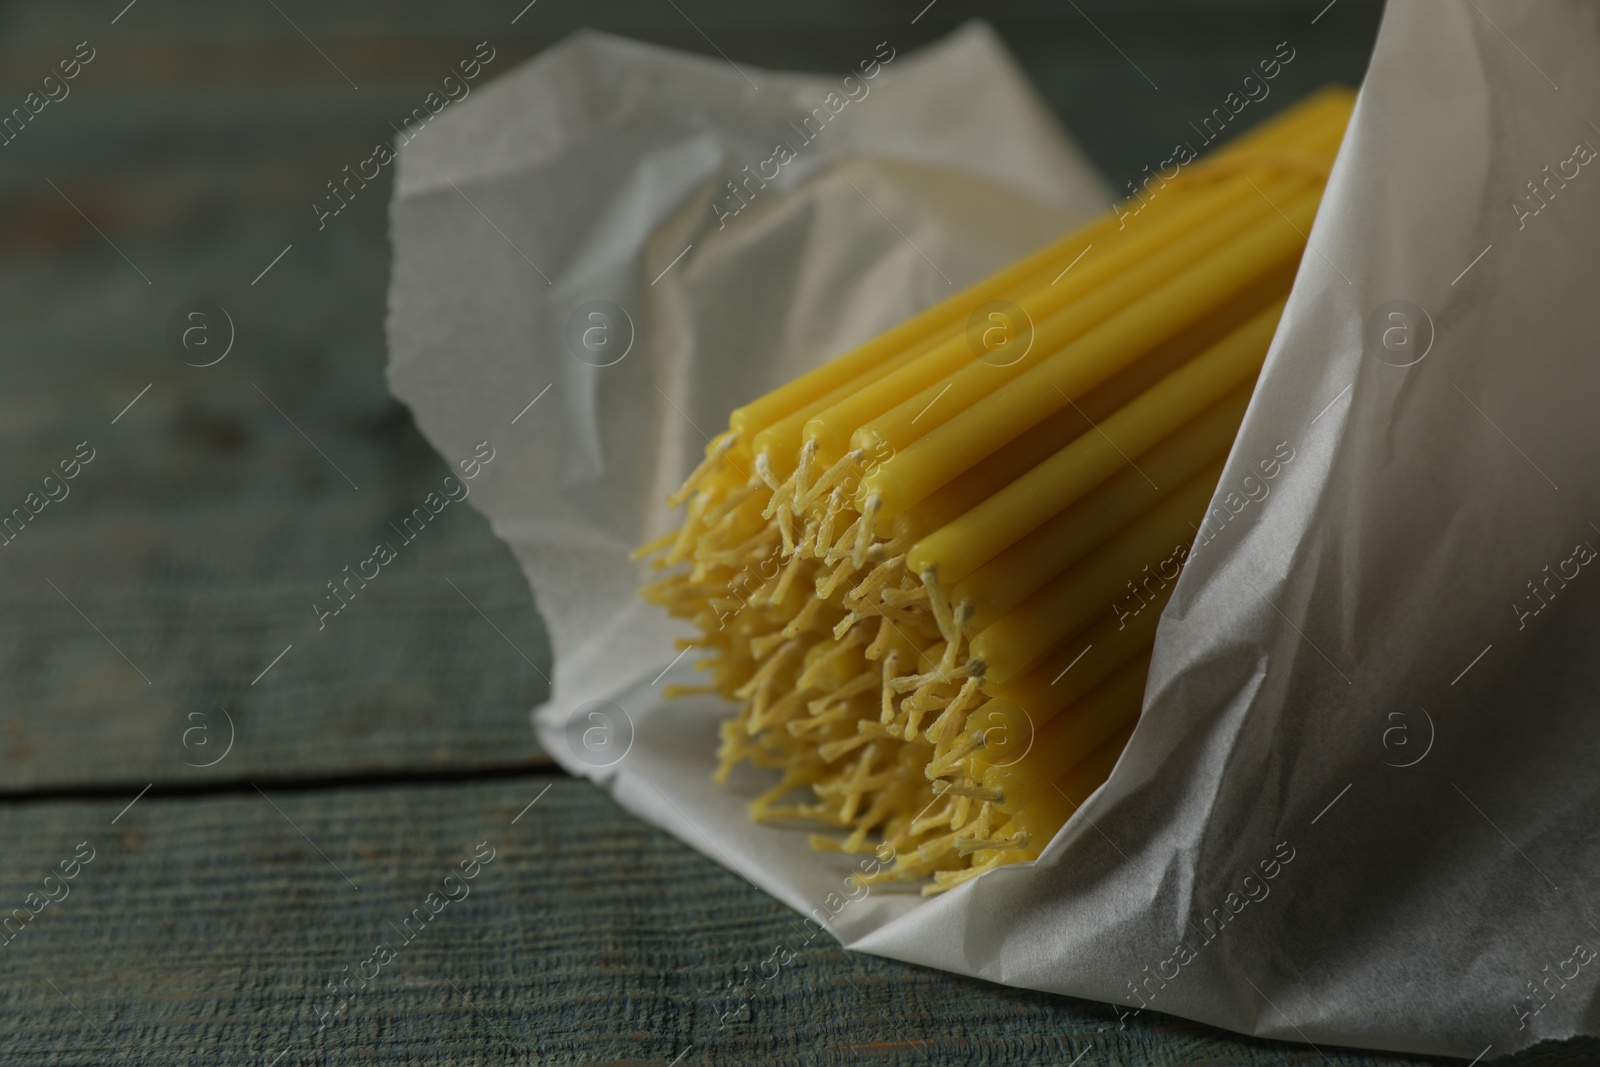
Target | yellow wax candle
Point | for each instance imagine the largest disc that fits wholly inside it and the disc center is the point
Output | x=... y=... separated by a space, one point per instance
x=1025 y=705
x=1156 y=541
x=1069 y=737
x=1023 y=568
x=1286 y=133
x=763 y=411
x=1142 y=261
x=1151 y=266
x=780 y=441
x=1328 y=106
x=1036 y=444
x=834 y=428
x=964 y=545
x=1043 y=816
x=977 y=432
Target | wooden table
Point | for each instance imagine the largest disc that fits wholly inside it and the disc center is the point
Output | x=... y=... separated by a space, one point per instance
x=250 y=804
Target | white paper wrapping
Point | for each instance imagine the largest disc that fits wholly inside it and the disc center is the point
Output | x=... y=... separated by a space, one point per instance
x=1359 y=806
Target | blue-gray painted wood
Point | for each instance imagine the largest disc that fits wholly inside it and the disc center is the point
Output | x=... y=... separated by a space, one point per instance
x=206 y=930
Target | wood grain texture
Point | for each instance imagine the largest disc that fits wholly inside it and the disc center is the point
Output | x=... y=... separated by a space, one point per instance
x=138 y=614
x=205 y=931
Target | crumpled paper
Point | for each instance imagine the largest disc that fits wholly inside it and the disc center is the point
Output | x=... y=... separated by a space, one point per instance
x=1358 y=806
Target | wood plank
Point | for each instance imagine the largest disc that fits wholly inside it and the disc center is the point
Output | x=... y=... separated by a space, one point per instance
x=138 y=614
x=205 y=930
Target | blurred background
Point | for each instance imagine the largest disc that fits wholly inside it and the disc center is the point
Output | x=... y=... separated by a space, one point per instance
x=263 y=798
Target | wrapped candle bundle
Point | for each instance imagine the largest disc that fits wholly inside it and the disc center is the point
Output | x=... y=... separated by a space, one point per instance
x=930 y=571
x=1337 y=679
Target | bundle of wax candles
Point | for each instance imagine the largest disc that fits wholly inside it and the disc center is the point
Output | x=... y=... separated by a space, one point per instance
x=929 y=572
